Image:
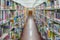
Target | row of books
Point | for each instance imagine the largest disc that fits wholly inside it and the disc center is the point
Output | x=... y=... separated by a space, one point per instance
x=4 y=16
x=53 y=3
x=10 y=4
x=50 y=4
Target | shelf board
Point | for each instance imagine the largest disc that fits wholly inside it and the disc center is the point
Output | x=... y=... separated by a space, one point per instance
x=11 y=18
x=4 y=21
x=12 y=9
x=57 y=20
x=3 y=9
x=55 y=32
x=8 y=9
x=51 y=9
x=4 y=35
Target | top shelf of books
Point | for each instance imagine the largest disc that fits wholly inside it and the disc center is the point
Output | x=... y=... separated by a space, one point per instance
x=9 y=5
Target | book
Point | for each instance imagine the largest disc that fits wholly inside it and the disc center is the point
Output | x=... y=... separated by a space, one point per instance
x=1 y=15
x=59 y=3
x=2 y=4
x=1 y=31
x=58 y=15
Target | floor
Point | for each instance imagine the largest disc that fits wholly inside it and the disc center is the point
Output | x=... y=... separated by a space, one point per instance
x=30 y=31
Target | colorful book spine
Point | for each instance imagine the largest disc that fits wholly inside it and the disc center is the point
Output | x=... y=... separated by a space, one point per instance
x=2 y=4
x=13 y=6
x=0 y=15
x=8 y=4
x=55 y=4
x=59 y=3
x=58 y=15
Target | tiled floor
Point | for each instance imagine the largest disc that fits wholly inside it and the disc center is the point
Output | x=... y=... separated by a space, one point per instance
x=30 y=32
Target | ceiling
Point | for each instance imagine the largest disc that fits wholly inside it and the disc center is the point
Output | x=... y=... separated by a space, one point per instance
x=29 y=3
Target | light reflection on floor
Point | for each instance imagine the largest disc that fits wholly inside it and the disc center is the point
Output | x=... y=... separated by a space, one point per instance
x=30 y=31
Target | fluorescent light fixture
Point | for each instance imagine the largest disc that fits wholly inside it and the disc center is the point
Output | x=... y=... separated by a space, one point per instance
x=30 y=3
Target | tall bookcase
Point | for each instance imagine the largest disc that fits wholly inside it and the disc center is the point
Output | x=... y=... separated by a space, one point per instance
x=11 y=18
x=49 y=19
